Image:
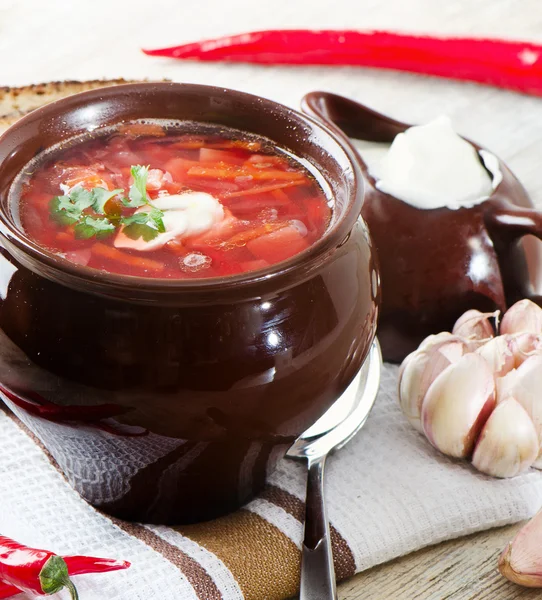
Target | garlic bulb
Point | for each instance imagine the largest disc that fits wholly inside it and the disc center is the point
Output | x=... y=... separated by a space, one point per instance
x=479 y=396
x=521 y=560
x=457 y=405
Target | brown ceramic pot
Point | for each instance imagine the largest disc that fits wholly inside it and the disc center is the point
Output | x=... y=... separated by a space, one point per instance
x=436 y=264
x=170 y=401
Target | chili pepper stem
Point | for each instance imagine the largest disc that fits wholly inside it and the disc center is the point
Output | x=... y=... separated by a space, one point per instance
x=54 y=577
x=72 y=589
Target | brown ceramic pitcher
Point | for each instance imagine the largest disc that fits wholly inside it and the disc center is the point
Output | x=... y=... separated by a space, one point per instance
x=436 y=264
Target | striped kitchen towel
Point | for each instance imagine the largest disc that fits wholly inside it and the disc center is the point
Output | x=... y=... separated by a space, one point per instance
x=389 y=493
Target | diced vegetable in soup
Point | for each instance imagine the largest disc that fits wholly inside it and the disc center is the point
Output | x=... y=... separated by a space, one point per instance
x=155 y=200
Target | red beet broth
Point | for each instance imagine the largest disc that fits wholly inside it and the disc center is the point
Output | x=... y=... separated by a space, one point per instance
x=272 y=207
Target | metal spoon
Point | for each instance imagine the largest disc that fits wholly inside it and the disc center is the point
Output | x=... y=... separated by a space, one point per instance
x=331 y=432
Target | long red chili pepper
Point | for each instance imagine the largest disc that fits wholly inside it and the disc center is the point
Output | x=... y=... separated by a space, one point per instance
x=43 y=572
x=510 y=64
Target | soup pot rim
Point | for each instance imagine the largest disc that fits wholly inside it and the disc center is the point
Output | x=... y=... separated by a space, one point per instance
x=299 y=266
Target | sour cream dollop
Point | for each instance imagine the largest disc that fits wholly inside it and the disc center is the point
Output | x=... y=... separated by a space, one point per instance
x=186 y=214
x=430 y=166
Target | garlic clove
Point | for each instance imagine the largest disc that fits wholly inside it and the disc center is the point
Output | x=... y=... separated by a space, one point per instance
x=457 y=405
x=508 y=443
x=475 y=325
x=523 y=316
x=526 y=344
x=524 y=384
x=420 y=369
x=432 y=340
x=499 y=352
x=521 y=560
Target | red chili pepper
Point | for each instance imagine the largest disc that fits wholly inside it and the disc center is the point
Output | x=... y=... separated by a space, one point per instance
x=7 y=590
x=40 y=407
x=92 y=416
x=510 y=64
x=42 y=572
x=32 y=570
x=80 y=565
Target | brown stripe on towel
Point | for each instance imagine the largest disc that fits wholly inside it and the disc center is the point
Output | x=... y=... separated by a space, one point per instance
x=265 y=562
x=345 y=564
x=199 y=579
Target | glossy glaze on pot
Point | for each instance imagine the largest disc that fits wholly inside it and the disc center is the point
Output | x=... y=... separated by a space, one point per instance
x=436 y=264
x=171 y=401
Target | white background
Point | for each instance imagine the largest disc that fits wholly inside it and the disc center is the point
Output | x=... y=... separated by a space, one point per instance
x=44 y=40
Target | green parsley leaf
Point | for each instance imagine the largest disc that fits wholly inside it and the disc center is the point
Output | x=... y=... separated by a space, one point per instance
x=137 y=196
x=81 y=198
x=101 y=197
x=63 y=211
x=157 y=217
x=67 y=209
x=146 y=225
x=70 y=210
x=89 y=227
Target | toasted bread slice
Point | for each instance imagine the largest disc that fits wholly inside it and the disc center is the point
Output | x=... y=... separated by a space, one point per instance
x=16 y=102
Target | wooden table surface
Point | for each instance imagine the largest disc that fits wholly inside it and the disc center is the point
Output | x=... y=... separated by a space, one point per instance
x=58 y=40
x=460 y=569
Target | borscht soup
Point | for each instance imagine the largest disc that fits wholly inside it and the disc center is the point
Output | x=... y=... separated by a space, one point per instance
x=174 y=200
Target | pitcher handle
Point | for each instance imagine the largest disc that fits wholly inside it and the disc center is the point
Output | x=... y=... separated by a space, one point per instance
x=507 y=224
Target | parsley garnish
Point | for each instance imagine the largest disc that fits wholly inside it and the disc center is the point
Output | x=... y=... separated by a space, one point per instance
x=144 y=224
x=101 y=198
x=85 y=210
x=137 y=196
x=89 y=227
x=68 y=209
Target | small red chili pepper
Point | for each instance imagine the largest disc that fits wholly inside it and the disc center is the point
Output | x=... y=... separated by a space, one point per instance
x=98 y=416
x=509 y=64
x=77 y=565
x=40 y=407
x=7 y=590
x=24 y=569
x=81 y=565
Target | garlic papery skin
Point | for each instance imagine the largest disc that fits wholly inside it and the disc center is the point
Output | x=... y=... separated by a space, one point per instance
x=524 y=384
x=475 y=325
x=433 y=339
x=499 y=353
x=457 y=405
x=421 y=368
x=523 y=316
x=508 y=443
x=521 y=560
x=525 y=345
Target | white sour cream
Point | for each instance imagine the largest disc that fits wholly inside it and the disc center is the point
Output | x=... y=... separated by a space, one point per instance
x=187 y=214
x=430 y=166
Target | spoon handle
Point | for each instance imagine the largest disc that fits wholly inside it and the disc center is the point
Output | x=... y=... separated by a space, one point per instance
x=317 y=571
